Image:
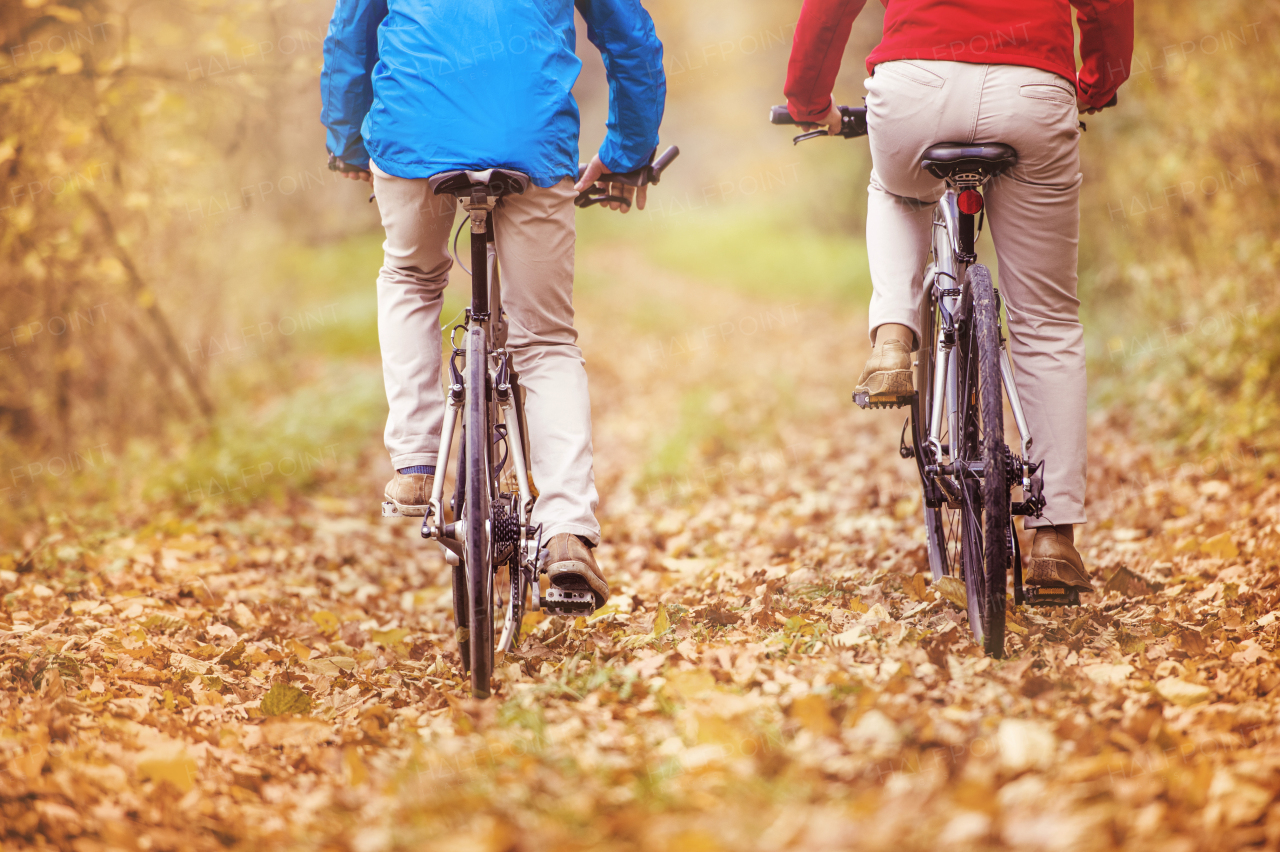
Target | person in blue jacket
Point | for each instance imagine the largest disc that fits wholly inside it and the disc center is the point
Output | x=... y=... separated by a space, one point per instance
x=412 y=88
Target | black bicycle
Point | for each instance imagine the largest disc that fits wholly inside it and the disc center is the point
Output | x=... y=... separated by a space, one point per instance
x=967 y=471
x=494 y=550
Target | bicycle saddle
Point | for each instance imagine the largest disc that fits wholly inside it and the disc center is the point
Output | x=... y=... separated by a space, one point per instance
x=948 y=160
x=497 y=182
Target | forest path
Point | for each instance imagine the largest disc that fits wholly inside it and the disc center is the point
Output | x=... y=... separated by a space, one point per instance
x=773 y=671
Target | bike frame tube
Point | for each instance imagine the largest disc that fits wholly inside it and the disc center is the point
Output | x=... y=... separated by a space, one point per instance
x=481 y=233
x=1015 y=402
x=442 y=467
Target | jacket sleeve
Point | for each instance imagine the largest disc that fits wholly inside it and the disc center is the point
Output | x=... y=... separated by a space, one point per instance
x=1106 y=48
x=346 y=82
x=816 y=50
x=623 y=32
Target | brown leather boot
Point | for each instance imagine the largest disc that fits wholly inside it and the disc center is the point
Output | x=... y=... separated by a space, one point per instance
x=410 y=492
x=888 y=371
x=1055 y=560
x=571 y=566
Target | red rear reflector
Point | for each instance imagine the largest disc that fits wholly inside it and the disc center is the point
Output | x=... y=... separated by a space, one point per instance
x=970 y=201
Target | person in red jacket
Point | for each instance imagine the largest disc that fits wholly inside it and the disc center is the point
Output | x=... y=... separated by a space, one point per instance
x=976 y=71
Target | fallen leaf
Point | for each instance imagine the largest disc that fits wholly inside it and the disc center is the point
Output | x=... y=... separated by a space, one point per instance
x=283 y=698
x=661 y=622
x=1220 y=546
x=812 y=714
x=1181 y=692
x=171 y=764
x=1107 y=673
x=327 y=622
x=953 y=590
x=1128 y=584
x=1024 y=745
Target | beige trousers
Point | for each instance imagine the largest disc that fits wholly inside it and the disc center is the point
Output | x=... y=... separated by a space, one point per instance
x=1033 y=212
x=535 y=241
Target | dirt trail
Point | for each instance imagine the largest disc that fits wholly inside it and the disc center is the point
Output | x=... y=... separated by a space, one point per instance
x=773 y=671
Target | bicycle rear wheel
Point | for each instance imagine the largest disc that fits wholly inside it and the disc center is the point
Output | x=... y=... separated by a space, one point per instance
x=988 y=501
x=477 y=464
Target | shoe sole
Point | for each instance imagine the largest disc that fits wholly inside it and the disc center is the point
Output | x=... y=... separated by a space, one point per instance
x=889 y=383
x=1053 y=570
x=577 y=581
x=407 y=511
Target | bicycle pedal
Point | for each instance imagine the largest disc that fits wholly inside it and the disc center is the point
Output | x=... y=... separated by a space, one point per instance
x=559 y=601
x=1051 y=596
x=866 y=400
x=390 y=510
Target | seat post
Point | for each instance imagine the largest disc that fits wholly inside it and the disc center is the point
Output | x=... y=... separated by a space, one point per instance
x=479 y=206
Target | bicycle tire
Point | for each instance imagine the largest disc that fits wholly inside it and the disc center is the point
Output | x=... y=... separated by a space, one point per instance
x=965 y=530
x=478 y=470
x=994 y=486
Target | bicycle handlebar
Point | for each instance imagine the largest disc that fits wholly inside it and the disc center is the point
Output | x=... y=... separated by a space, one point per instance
x=643 y=176
x=853 y=122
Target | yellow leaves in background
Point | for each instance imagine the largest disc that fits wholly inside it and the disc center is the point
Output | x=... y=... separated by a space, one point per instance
x=285 y=698
x=1179 y=691
x=1221 y=546
x=661 y=622
x=170 y=763
x=392 y=639
x=327 y=622
x=813 y=715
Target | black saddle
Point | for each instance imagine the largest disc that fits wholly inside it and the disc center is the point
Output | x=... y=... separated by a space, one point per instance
x=496 y=182
x=950 y=160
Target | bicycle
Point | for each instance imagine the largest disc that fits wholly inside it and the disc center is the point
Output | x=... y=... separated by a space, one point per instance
x=492 y=545
x=967 y=471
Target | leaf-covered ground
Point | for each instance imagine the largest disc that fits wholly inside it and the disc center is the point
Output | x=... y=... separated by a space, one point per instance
x=774 y=670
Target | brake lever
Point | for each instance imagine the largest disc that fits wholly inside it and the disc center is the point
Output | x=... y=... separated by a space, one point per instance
x=812 y=134
x=586 y=199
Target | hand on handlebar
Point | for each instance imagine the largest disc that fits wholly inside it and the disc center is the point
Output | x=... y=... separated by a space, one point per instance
x=349 y=171
x=832 y=121
x=596 y=173
x=1091 y=110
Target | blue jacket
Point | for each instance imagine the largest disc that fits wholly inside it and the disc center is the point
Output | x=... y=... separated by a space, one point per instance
x=425 y=86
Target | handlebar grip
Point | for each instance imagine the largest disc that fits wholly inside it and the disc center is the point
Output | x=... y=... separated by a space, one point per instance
x=336 y=165
x=664 y=161
x=780 y=115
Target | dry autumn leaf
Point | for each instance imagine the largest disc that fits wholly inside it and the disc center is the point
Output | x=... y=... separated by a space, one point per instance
x=285 y=698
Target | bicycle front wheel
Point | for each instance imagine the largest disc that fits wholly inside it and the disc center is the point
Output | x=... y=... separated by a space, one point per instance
x=477 y=464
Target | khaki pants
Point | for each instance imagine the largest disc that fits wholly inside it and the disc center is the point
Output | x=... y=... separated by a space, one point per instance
x=1033 y=212
x=535 y=252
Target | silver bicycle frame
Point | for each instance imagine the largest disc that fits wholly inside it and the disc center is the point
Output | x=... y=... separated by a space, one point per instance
x=948 y=265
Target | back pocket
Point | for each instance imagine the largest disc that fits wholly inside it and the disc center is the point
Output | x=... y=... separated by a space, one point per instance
x=909 y=71
x=1048 y=92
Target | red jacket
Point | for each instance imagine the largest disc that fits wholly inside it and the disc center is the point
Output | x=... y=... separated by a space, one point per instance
x=996 y=32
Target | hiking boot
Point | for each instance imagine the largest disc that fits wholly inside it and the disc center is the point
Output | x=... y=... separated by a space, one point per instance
x=572 y=567
x=410 y=492
x=888 y=371
x=1056 y=562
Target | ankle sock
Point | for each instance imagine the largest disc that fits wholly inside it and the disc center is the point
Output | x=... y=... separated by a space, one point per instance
x=429 y=469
